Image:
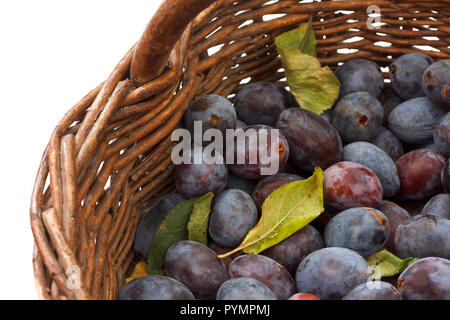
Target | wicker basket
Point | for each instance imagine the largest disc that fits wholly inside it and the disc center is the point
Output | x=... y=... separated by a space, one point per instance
x=109 y=157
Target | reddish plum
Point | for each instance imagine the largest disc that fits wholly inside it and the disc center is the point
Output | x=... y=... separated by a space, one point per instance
x=348 y=185
x=303 y=296
x=419 y=173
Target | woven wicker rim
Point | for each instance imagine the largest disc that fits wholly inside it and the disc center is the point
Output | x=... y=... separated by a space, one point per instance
x=109 y=157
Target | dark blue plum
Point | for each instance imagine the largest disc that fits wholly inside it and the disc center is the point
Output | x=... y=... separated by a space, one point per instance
x=423 y=236
x=262 y=103
x=313 y=142
x=245 y=289
x=269 y=184
x=151 y=221
x=389 y=100
x=233 y=215
x=245 y=166
x=330 y=273
x=155 y=288
x=266 y=270
x=378 y=161
x=360 y=75
x=364 y=230
x=376 y=290
x=426 y=279
x=236 y=182
x=358 y=117
x=406 y=74
x=439 y=205
x=215 y=112
x=436 y=84
x=413 y=121
x=389 y=143
x=290 y=252
x=197 y=179
x=441 y=135
x=395 y=215
x=196 y=266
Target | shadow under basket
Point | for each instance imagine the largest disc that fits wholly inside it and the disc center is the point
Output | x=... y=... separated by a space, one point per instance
x=109 y=157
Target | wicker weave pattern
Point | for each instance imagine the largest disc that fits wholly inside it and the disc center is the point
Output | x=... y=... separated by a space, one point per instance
x=109 y=157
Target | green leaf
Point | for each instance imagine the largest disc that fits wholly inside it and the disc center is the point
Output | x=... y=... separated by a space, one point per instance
x=316 y=88
x=287 y=210
x=300 y=40
x=198 y=223
x=173 y=229
x=388 y=264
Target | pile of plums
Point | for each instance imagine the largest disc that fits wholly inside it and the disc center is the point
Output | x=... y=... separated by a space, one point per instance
x=384 y=149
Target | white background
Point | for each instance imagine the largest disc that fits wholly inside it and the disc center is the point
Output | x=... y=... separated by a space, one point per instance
x=52 y=53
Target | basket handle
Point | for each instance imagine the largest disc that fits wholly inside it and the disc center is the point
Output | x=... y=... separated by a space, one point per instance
x=161 y=35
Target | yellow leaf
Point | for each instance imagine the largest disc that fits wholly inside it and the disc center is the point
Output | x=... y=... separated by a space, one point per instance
x=139 y=271
x=316 y=88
